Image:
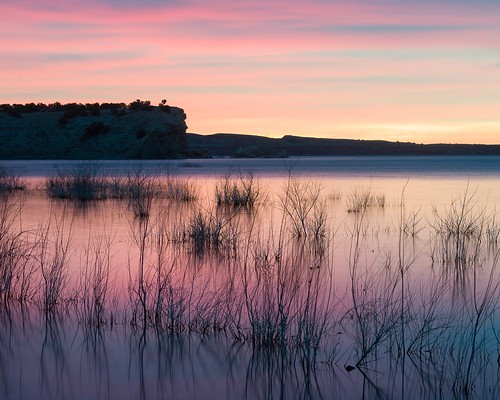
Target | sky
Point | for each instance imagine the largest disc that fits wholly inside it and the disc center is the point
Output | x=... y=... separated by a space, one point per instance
x=421 y=71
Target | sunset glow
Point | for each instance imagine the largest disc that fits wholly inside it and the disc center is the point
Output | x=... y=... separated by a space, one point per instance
x=420 y=71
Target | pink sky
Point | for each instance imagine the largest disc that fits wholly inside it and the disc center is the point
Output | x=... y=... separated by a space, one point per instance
x=422 y=71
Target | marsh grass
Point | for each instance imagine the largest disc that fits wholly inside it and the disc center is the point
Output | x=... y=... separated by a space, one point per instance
x=361 y=199
x=214 y=230
x=303 y=208
x=83 y=183
x=180 y=189
x=142 y=190
x=375 y=314
x=237 y=191
x=217 y=271
x=10 y=182
x=283 y=285
x=94 y=289
x=17 y=252
x=461 y=230
x=413 y=223
x=53 y=262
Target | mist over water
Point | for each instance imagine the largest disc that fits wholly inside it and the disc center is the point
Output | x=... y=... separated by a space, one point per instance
x=397 y=299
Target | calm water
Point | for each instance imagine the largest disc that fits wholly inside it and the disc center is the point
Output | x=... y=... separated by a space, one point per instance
x=380 y=305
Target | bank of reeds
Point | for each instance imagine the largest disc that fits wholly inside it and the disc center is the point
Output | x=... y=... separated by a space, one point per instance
x=85 y=182
x=82 y=183
x=272 y=290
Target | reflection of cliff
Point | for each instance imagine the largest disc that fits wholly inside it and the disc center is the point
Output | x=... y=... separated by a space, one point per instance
x=258 y=146
x=125 y=133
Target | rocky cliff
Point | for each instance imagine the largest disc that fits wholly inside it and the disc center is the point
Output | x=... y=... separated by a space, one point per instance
x=82 y=133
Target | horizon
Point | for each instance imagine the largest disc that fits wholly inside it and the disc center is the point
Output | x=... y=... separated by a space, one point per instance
x=422 y=72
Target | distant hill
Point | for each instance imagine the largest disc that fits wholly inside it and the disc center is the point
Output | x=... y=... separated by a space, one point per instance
x=235 y=145
x=92 y=131
x=141 y=131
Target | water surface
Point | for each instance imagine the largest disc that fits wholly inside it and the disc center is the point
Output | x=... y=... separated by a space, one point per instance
x=396 y=312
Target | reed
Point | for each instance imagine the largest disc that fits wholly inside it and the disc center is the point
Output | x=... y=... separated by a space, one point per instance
x=142 y=190
x=374 y=314
x=283 y=290
x=53 y=258
x=16 y=252
x=95 y=285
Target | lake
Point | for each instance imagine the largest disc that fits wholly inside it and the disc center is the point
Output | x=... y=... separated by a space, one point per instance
x=320 y=277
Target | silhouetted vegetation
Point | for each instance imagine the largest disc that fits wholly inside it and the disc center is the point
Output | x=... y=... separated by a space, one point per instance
x=94 y=129
x=10 y=182
x=72 y=110
x=140 y=105
x=11 y=110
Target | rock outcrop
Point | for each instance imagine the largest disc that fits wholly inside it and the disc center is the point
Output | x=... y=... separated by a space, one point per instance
x=155 y=132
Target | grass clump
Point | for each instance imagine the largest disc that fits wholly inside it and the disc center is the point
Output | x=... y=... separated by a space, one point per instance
x=361 y=199
x=241 y=191
x=179 y=190
x=460 y=229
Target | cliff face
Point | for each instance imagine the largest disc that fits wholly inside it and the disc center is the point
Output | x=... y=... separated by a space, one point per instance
x=124 y=134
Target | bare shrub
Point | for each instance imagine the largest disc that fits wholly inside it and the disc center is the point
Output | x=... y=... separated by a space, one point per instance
x=303 y=208
x=142 y=189
x=460 y=230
